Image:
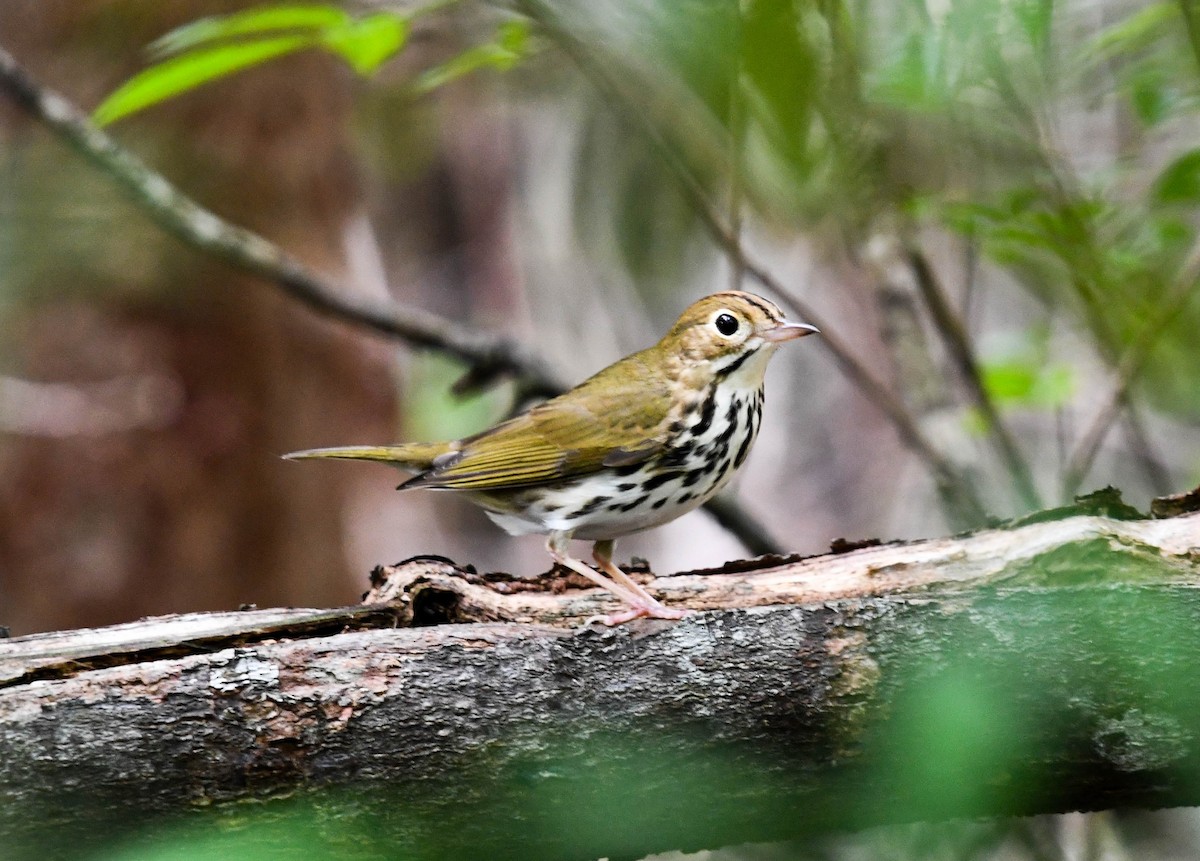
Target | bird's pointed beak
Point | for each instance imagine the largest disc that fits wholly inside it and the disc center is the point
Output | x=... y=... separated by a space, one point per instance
x=786 y=331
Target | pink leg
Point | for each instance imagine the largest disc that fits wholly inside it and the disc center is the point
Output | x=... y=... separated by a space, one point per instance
x=647 y=605
x=641 y=603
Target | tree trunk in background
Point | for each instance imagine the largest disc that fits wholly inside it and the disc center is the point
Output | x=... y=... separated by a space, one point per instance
x=150 y=482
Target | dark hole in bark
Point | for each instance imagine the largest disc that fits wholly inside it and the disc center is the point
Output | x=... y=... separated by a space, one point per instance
x=434 y=607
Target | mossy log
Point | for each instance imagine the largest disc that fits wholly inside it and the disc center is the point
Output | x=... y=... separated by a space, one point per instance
x=1042 y=667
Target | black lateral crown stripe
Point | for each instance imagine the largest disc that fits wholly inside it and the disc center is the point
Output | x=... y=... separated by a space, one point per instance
x=759 y=304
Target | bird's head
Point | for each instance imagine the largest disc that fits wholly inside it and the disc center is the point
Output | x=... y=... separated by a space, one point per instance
x=731 y=333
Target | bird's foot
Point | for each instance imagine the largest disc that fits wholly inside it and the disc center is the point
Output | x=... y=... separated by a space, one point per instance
x=642 y=609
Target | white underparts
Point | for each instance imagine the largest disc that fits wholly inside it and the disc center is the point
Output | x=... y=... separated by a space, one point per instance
x=705 y=454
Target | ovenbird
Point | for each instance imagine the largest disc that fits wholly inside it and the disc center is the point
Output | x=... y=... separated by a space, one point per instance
x=643 y=441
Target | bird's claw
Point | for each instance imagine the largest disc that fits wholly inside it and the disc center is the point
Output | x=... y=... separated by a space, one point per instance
x=642 y=609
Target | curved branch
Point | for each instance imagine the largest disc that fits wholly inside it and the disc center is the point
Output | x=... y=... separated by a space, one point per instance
x=488 y=355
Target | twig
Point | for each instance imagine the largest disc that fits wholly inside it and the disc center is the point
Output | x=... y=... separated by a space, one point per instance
x=1131 y=365
x=1138 y=440
x=726 y=510
x=951 y=484
x=1191 y=22
x=487 y=354
x=954 y=335
x=970 y=278
x=919 y=383
x=737 y=110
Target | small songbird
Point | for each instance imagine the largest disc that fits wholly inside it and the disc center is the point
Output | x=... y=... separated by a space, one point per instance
x=645 y=440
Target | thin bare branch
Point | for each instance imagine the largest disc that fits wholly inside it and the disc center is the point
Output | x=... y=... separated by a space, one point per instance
x=734 y=518
x=954 y=334
x=953 y=488
x=1141 y=447
x=1132 y=363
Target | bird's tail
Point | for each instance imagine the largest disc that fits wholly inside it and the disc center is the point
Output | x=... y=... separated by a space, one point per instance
x=412 y=456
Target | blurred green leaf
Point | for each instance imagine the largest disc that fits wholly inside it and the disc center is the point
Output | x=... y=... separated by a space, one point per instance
x=271 y=19
x=1009 y=381
x=1180 y=180
x=368 y=43
x=513 y=36
x=507 y=49
x=1135 y=33
x=1054 y=386
x=953 y=730
x=1153 y=65
x=909 y=81
x=214 y=47
x=186 y=72
x=1035 y=18
x=1150 y=95
x=1028 y=382
x=969 y=218
x=695 y=42
x=432 y=411
x=781 y=75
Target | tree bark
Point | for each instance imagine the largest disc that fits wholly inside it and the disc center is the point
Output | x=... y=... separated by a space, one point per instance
x=1037 y=668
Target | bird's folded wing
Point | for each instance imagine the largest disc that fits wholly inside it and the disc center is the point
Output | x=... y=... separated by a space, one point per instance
x=586 y=430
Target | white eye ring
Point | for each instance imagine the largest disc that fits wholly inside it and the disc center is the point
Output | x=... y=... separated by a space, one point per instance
x=726 y=324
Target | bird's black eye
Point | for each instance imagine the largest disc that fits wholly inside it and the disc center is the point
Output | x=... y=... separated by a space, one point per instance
x=727 y=324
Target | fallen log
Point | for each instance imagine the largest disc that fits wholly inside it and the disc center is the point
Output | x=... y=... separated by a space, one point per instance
x=1049 y=666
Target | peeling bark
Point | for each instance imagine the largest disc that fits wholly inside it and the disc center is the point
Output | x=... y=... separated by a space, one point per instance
x=804 y=696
